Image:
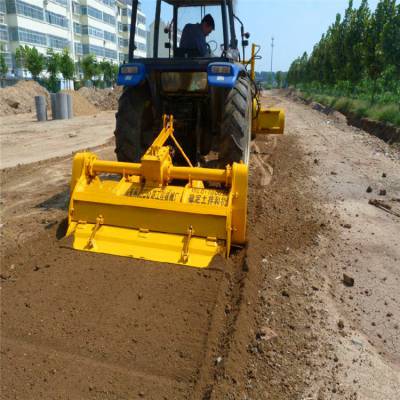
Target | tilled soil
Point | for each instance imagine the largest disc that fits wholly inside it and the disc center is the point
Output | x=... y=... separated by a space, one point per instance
x=269 y=323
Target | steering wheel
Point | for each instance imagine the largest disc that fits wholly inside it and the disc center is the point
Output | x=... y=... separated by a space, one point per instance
x=209 y=46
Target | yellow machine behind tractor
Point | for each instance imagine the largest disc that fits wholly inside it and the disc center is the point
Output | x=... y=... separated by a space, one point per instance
x=179 y=196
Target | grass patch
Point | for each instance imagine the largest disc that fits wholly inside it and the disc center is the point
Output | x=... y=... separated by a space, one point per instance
x=385 y=113
x=389 y=113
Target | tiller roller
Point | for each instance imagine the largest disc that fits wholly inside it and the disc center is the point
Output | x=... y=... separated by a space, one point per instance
x=157 y=211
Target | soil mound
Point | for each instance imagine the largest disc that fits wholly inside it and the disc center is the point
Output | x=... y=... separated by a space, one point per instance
x=20 y=98
x=103 y=99
x=81 y=106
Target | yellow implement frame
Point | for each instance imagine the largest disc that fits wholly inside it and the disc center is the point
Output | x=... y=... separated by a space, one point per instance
x=142 y=215
x=266 y=120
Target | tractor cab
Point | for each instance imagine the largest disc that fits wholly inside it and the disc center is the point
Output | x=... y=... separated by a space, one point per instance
x=165 y=50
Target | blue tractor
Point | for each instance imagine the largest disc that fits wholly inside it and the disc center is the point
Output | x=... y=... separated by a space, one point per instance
x=210 y=96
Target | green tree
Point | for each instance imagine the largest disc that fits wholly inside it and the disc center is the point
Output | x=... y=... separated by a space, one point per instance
x=106 y=68
x=354 y=36
x=279 y=79
x=29 y=58
x=3 y=64
x=34 y=61
x=374 y=55
x=53 y=63
x=67 y=67
x=20 y=57
x=89 y=67
x=390 y=39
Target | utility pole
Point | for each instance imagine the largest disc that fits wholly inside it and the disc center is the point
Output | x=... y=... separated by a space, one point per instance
x=272 y=58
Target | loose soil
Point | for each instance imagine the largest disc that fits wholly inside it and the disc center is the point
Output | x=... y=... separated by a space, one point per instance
x=81 y=106
x=275 y=321
x=102 y=99
x=20 y=98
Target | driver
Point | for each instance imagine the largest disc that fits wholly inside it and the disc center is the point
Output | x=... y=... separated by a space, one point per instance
x=194 y=35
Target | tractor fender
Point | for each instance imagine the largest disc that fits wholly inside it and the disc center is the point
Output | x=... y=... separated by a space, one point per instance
x=224 y=80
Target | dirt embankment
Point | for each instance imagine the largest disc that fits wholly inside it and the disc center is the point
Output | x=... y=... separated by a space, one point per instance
x=102 y=99
x=20 y=98
x=385 y=131
x=81 y=106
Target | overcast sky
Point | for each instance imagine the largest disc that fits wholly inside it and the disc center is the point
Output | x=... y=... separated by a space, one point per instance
x=295 y=24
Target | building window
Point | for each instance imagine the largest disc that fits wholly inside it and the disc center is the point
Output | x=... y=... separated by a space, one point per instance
x=91 y=31
x=120 y=27
x=2 y=6
x=28 y=36
x=109 y=3
x=91 y=49
x=141 y=32
x=123 y=42
x=108 y=19
x=109 y=36
x=78 y=48
x=92 y=12
x=61 y=2
x=140 y=46
x=141 y=19
x=56 y=19
x=56 y=42
x=29 y=11
x=76 y=8
x=110 y=54
x=77 y=28
x=3 y=33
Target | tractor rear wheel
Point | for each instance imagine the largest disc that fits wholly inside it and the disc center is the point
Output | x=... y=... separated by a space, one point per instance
x=236 y=124
x=134 y=124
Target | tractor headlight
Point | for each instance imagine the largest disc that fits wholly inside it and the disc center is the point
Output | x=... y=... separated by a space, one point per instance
x=129 y=69
x=221 y=70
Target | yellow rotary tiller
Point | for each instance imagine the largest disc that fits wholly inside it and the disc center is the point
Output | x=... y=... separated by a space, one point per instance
x=142 y=215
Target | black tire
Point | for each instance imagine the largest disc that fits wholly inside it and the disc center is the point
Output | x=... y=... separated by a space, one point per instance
x=236 y=124
x=134 y=124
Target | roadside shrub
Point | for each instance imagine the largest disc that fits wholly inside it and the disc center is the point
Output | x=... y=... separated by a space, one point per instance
x=387 y=113
x=342 y=104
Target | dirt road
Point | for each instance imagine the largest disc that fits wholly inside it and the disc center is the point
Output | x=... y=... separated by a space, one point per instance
x=274 y=322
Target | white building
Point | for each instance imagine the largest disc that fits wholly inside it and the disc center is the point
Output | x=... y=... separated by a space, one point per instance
x=99 y=27
x=163 y=52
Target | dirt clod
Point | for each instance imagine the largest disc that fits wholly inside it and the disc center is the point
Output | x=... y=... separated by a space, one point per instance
x=348 y=280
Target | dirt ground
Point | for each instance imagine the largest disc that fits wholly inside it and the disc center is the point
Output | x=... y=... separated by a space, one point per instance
x=276 y=321
x=24 y=140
